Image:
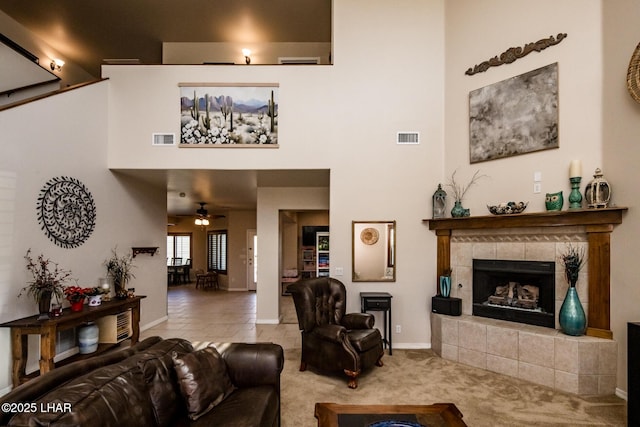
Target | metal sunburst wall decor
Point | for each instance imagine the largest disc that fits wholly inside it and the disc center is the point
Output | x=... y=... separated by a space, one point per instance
x=66 y=211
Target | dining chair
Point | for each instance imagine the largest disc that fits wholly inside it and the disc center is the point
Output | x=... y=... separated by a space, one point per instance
x=186 y=271
x=201 y=278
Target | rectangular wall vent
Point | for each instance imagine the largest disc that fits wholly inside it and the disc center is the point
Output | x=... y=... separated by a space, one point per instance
x=408 y=138
x=164 y=139
x=299 y=60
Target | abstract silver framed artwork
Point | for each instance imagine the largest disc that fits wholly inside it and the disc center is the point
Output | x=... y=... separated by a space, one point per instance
x=229 y=115
x=515 y=116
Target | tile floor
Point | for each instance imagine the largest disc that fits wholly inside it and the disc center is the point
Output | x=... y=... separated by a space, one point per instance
x=222 y=316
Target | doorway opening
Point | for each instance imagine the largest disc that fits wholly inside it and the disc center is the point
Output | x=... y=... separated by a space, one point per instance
x=299 y=252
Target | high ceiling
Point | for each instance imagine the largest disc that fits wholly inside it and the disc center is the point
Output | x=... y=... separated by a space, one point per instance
x=87 y=32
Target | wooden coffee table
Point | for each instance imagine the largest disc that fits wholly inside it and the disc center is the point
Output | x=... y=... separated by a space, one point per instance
x=436 y=415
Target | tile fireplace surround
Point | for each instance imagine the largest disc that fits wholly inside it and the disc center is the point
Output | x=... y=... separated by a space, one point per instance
x=581 y=365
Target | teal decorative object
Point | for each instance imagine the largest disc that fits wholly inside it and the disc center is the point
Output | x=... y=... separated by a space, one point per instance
x=458 y=194
x=575 y=198
x=554 y=201
x=572 y=318
x=458 y=211
x=445 y=286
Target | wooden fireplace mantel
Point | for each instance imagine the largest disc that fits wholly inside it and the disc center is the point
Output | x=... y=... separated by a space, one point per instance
x=598 y=225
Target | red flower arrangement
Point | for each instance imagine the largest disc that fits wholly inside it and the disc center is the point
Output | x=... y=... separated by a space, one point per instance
x=76 y=293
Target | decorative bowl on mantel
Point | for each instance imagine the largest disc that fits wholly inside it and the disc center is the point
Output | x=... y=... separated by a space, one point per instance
x=508 y=208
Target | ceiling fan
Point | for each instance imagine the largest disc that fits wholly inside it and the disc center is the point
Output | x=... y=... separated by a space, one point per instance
x=203 y=216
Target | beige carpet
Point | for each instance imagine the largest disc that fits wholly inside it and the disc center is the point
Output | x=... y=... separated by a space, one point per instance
x=420 y=377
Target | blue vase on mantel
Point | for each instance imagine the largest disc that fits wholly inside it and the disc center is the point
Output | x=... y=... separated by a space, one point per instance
x=458 y=211
x=572 y=318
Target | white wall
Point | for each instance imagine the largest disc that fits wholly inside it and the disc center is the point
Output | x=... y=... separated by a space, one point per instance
x=479 y=30
x=342 y=117
x=621 y=155
x=65 y=135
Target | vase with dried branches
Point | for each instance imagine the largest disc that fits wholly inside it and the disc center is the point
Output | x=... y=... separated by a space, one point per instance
x=48 y=281
x=459 y=191
x=119 y=268
x=572 y=318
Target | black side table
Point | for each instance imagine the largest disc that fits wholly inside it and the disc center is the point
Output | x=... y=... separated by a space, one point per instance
x=379 y=301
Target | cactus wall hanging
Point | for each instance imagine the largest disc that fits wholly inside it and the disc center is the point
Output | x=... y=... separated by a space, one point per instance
x=219 y=115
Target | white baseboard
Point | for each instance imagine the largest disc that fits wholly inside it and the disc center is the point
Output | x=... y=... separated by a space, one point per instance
x=411 y=346
x=267 y=321
x=154 y=323
x=5 y=390
x=621 y=394
x=67 y=353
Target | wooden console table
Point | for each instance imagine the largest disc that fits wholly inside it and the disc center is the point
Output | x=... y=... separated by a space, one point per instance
x=48 y=331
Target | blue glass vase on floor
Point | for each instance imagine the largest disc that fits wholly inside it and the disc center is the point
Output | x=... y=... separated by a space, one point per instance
x=572 y=318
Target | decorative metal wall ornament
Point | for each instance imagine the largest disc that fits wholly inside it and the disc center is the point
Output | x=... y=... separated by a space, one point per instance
x=66 y=211
x=513 y=53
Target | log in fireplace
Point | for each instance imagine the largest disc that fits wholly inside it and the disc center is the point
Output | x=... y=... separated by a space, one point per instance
x=518 y=291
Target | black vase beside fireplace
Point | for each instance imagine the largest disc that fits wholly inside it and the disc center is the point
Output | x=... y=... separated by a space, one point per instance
x=503 y=289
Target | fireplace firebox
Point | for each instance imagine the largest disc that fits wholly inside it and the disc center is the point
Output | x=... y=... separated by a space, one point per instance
x=517 y=291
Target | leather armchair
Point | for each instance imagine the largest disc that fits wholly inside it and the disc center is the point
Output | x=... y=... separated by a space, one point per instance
x=331 y=339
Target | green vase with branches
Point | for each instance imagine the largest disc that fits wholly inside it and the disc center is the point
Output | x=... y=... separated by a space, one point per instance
x=572 y=318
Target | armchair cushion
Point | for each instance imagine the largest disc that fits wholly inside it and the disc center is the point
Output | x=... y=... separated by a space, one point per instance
x=364 y=339
x=204 y=381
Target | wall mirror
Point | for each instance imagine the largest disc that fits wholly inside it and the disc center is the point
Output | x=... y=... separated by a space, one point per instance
x=373 y=251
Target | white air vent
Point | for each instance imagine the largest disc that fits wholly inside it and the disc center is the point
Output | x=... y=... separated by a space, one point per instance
x=164 y=139
x=299 y=60
x=408 y=138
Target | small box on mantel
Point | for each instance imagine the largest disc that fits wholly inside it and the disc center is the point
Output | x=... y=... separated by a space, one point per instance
x=450 y=306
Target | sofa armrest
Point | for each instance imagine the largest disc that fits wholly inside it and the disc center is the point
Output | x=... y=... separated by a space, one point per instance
x=358 y=321
x=250 y=364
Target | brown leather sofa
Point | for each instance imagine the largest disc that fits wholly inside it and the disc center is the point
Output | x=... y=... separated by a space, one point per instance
x=333 y=340
x=156 y=382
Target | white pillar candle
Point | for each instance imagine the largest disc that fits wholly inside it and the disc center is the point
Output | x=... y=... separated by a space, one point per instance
x=575 y=168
